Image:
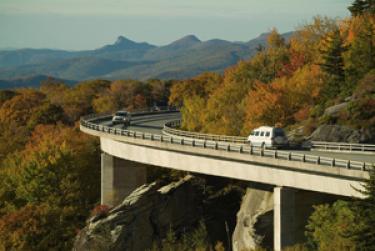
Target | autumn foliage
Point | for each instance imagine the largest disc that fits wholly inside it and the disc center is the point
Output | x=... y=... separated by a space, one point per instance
x=49 y=170
x=287 y=82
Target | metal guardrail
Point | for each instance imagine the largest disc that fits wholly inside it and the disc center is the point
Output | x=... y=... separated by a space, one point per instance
x=171 y=126
x=89 y=122
x=339 y=146
x=136 y=113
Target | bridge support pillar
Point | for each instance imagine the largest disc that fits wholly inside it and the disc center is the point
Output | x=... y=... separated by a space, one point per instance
x=119 y=178
x=292 y=208
x=284 y=217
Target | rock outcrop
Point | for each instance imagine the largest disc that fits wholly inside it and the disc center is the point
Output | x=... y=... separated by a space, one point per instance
x=338 y=133
x=334 y=111
x=254 y=221
x=335 y=133
x=342 y=133
x=144 y=216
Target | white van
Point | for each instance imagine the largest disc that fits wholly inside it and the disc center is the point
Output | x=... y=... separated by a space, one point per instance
x=268 y=137
x=121 y=117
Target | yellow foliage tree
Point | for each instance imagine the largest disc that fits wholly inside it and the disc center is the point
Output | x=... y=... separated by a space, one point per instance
x=279 y=101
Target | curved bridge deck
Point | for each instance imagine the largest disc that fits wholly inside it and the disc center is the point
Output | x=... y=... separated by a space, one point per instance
x=143 y=142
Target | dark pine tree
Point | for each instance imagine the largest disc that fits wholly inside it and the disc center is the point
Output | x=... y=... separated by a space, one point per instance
x=364 y=236
x=333 y=63
x=361 y=55
x=360 y=7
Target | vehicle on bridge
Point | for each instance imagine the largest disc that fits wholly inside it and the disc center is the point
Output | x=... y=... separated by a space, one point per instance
x=268 y=137
x=121 y=117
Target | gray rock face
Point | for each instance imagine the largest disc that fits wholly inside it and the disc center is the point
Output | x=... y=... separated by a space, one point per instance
x=334 y=111
x=143 y=217
x=254 y=221
x=336 y=133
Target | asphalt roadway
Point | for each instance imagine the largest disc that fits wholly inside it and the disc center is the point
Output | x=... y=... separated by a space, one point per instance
x=154 y=124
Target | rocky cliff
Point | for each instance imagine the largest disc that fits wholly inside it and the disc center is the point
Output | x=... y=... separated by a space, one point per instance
x=340 y=133
x=254 y=221
x=144 y=217
x=343 y=124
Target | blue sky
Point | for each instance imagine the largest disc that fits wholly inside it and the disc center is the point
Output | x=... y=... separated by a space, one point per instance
x=89 y=24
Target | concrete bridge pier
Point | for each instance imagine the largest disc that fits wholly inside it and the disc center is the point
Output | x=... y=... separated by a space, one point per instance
x=119 y=177
x=292 y=208
x=284 y=222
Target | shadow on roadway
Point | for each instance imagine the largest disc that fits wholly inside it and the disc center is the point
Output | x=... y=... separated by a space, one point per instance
x=145 y=126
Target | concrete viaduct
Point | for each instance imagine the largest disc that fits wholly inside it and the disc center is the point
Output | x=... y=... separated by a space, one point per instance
x=296 y=176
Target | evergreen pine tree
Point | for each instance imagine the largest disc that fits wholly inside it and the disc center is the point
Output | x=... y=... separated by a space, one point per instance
x=360 y=7
x=365 y=209
x=333 y=63
x=361 y=55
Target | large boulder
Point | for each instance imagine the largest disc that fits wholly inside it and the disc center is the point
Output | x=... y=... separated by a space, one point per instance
x=254 y=221
x=144 y=217
x=334 y=111
x=338 y=133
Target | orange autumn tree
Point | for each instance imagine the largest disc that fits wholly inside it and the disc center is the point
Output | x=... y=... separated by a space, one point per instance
x=280 y=101
x=192 y=95
x=56 y=175
x=224 y=109
x=307 y=38
x=30 y=229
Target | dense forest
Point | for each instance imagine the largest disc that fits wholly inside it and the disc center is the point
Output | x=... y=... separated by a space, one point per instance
x=50 y=171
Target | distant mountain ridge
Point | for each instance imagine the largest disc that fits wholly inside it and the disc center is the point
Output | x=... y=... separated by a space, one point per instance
x=123 y=43
x=127 y=59
x=33 y=81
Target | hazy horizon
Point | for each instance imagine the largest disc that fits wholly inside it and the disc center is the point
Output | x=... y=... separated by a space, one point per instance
x=90 y=24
